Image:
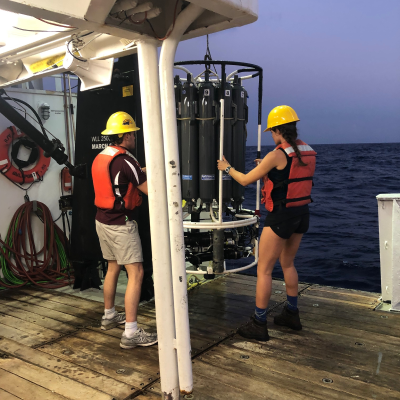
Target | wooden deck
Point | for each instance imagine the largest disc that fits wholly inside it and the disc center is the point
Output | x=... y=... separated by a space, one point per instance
x=51 y=347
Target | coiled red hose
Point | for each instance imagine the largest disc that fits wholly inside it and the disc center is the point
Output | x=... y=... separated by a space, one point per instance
x=22 y=263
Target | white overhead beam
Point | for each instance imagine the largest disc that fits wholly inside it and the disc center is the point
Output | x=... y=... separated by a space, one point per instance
x=72 y=8
x=98 y=10
x=49 y=72
x=230 y=8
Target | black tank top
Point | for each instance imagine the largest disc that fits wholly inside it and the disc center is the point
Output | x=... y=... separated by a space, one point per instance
x=279 y=175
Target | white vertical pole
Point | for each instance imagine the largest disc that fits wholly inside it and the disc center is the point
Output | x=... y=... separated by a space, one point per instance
x=396 y=255
x=155 y=169
x=258 y=182
x=385 y=208
x=172 y=169
x=221 y=153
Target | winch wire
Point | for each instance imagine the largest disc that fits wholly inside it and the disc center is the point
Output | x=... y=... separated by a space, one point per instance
x=19 y=256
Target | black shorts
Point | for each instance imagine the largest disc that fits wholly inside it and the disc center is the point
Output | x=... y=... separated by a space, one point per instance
x=284 y=224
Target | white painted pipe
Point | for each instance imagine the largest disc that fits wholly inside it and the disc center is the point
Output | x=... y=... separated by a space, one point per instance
x=147 y=6
x=123 y=5
x=35 y=47
x=220 y=225
x=140 y=17
x=243 y=216
x=243 y=77
x=153 y=144
x=231 y=75
x=198 y=77
x=183 y=69
x=231 y=271
x=258 y=182
x=221 y=154
x=141 y=8
x=171 y=151
x=40 y=49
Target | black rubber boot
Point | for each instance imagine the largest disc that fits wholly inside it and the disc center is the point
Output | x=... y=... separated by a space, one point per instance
x=254 y=330
x=288 y=318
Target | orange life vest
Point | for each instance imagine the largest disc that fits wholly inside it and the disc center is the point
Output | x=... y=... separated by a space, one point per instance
x=300 y=178
x=104 y=190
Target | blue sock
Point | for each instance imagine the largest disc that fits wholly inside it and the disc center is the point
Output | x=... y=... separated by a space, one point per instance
x=292 y=302
x=260 y=314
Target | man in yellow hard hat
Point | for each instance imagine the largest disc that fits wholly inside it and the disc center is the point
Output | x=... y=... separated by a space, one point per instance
x=118 y=182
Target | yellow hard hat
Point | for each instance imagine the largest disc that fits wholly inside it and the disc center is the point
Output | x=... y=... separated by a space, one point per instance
x=281 y=115
x=120 y=123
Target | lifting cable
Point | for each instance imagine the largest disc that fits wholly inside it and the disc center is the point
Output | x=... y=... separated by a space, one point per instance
x=21 y=263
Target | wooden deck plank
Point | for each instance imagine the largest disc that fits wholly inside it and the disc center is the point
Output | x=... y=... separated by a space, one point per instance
x=229 y=287
x=52 y=381
x=328 y=308
x=367 y=324
x=345 y=301
x=148 y=395
x=46 y=312
x=283 y=385
x=341 y=291
x=333 y=344
x=20 y=336
x=31 y=317
x=29 y=327
x=308 y=380
x=92 y=379
x=213 y=315
x=252 y=281
x=332 y=337
x=146 y=358
x=290 y=366
x=3 y=300
x=143 y=359
x=94 y=358
x=245 y=386
x=203 y=391
x=361 y=366
x=350 y=298
x=213 y=318
x=52 y=305
x=20 y=387
x=8 y=396
x=63 y=298
x=390 y=343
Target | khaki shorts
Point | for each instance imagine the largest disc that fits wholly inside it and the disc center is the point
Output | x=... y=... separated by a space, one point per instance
x=120 y=242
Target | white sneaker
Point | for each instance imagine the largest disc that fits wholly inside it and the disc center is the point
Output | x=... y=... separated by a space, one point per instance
x=118 y=319
x=140 y=338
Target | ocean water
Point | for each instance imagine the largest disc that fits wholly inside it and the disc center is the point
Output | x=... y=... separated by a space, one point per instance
x=341 y=247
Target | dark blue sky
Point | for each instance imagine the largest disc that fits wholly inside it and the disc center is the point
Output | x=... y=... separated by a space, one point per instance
x=336 y=62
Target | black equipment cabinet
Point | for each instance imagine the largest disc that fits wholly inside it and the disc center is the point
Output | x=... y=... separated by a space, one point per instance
x=93 y=110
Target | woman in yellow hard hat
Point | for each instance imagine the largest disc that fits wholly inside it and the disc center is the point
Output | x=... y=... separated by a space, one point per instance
x=287 y=174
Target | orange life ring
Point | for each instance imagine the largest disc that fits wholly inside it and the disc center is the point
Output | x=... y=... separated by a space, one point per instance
x=6 y=165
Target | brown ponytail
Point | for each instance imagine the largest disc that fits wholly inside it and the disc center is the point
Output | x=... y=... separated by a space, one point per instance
x=289 y=133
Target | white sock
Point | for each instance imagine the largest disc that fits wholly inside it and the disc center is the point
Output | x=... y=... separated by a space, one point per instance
x=110 y=313
x=130 y=329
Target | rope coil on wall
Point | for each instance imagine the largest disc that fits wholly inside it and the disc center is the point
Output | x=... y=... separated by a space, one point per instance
x=22 y=263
